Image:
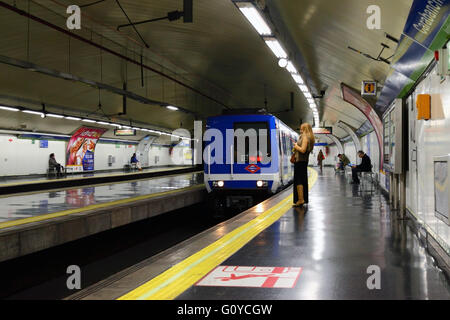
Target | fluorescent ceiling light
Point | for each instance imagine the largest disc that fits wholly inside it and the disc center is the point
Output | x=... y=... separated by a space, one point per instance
x=297 y=78
x=89 y=120
x=172 y=108
x=73 y=118
x=307 y=95
x=276 y=48
x=311 y=101
x=9 y=108
x=290 y=67
x=33 y=112
x=104 y=123
x=134 y=128
x=116 y=125
x=126 y=127
x=51 y=115
x=253 y=16
x=303 y=88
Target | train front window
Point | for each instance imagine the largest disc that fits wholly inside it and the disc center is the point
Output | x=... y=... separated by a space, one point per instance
x=252 y=142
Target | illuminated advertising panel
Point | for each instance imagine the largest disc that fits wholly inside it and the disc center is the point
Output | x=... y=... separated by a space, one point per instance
x=81 y=148
x=124 y=132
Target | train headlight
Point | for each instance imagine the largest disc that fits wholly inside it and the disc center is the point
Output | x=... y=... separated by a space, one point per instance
x=219 y=184
x=261 y=183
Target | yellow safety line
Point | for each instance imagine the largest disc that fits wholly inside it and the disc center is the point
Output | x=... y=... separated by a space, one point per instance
x=14 y=223
x=86 y=178
x=183 y=275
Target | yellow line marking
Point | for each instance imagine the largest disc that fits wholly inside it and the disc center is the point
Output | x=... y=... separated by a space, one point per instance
x=182 y=276
x=14 y=223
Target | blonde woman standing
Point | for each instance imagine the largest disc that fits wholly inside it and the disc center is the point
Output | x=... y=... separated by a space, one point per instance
x=302 y=149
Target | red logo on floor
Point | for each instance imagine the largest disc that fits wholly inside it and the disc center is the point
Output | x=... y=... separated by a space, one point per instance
x=254 y=277
x=252 y=168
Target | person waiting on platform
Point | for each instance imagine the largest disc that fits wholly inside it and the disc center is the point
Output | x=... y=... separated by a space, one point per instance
x=136 y=162
x=365 y=166
x=300 y=158
x=343 y=161
x=320 y=158
x=53 y=165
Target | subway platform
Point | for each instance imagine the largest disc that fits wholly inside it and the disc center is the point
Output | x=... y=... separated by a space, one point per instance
x=14 y=185
x=273 y=251
x=36 y=221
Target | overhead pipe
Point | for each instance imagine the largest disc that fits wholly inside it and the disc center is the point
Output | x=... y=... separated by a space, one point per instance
x=80 y=38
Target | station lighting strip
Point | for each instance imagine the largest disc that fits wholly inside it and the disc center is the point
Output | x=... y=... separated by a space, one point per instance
x=60 y=116
x=250 y=11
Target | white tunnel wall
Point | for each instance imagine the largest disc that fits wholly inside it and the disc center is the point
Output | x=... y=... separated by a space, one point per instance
x=432 y=138
x=349 y=150
x=22 y=157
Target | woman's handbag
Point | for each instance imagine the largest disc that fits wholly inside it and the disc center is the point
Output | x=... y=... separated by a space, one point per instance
x=293 y=158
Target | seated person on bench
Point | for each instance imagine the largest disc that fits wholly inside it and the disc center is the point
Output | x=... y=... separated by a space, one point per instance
x=135 y=160
x=52 y=164
x=365 y=166
x=343 y=161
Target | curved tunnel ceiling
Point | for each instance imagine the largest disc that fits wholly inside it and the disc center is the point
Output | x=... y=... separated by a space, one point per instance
x=219 y=54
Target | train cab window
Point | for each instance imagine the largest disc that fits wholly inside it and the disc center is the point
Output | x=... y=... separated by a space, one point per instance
x=263 y=153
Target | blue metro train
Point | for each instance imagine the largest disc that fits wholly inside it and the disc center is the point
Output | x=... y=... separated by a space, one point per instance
x=253 y=169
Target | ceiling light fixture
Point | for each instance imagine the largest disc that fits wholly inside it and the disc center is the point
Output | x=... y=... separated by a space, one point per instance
x=254 y=17
x=172 y=108
x=34 y=112
x=283 y=63
x=276 y=48
x=297 y=78
x=290 y=67
x=89 y=120
x=72 y=118
x=9 y=108
x=52 y=115
x=303 y=88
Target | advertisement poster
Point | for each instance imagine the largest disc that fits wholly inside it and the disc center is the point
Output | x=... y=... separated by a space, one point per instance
x=81 y=148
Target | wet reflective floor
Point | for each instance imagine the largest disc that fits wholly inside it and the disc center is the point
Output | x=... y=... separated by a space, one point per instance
x=335 y=242
x=26 y=179
x=30 y=205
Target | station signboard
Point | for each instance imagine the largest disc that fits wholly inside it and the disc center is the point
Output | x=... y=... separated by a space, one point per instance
x=325 y=130
x=124 y=132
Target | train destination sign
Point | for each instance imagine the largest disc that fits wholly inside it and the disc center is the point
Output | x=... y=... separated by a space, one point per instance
x=124 y=132
x=325 y=130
